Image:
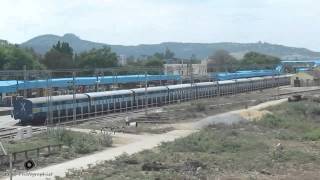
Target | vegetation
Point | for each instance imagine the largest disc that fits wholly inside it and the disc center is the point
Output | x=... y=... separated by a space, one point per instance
x=269 y=148
x=260 y=60
x=74 y=145
x=80 y=143
x=222 y=61
x=297 y=121
x=62 y=56
x=13 y=57
x=59 y=56
x=97 y=58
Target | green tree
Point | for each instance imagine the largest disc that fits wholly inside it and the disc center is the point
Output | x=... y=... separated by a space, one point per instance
x=98 y=58
x=13 y=57
x=60 y=56
x=154 y=61
x=168 y=54
x=254 y=59
x=221 y=61
x=194 y=59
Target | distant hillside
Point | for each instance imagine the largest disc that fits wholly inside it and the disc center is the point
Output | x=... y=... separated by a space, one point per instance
x=42 y=44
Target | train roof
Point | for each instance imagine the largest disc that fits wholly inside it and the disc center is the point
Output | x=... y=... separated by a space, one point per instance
x=179 y=86
x=57 y=98
x=150 y=89
x=226 y=82
x=205 y=84
x=109 y=93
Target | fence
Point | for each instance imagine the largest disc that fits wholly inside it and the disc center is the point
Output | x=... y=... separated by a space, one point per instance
x=4 y=159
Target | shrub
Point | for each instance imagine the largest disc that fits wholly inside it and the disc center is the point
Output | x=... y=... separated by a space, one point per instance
x=62 y=135
x=312 y=135
x=271 y=121
x=85 y=144
x=299 y=108
x=197 y=106
x=105 y=140
x=315 y=110
x=286 y=135
x=293 y=155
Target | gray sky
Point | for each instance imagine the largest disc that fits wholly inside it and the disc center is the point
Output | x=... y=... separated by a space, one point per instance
x=131 y=22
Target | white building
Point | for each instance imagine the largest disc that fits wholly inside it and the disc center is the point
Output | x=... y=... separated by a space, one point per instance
x=122 y=60
x=186 y=69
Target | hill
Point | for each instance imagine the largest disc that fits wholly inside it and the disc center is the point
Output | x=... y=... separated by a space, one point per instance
x=41 y=44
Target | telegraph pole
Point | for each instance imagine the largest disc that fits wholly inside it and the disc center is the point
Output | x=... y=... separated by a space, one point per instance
x=24 y=79
x=49 y=99
x=145 y=93
x=74 y=95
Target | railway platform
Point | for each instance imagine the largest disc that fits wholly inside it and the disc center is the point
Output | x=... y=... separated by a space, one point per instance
x=5 y=111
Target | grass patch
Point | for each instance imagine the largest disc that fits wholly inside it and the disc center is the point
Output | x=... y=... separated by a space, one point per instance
x=313 y=135
x=299 y=120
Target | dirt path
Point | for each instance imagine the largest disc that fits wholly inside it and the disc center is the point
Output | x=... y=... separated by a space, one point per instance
x=131 y=143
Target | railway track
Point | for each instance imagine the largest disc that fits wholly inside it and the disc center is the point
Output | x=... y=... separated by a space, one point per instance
x=10 y=133
x=112 y=117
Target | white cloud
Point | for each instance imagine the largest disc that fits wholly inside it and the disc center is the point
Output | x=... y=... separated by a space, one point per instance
x=289 y=22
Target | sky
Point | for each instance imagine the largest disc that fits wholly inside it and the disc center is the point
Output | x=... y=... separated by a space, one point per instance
x=131 y=22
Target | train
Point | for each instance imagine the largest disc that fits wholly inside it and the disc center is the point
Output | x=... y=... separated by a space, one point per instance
x=35 y=110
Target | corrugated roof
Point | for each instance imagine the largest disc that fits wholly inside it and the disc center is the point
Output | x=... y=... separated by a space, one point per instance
x=12 y=85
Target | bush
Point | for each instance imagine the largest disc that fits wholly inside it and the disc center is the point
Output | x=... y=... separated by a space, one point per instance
x=85 y=144
x=297 y=108
x=62 y=135
x=81 y=143
x=312 y=135
x=293 y=155
x=105 y=140
x=286 y=135
x=271 y=121
x=315 y=110
x=197 y=106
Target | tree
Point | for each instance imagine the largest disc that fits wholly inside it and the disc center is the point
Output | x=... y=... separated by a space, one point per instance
x=221 y=61
x=60 y=56
x=154 y=61
x=13 y=57
x=261 y=60
x=168 y=54
x=194 y=60
x=98 y=58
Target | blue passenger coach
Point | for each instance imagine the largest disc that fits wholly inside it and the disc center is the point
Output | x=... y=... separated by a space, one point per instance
x=35 y=110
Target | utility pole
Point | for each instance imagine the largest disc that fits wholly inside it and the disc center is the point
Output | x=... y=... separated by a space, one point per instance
x=145 y=93
x=24 y=79
x=74 y=96
x=49 y=100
